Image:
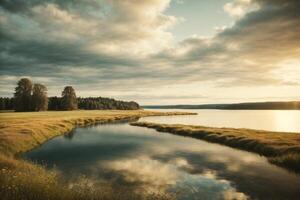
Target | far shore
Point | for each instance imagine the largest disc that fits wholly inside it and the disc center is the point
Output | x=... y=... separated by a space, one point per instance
x=281 y=148
x=273 y=105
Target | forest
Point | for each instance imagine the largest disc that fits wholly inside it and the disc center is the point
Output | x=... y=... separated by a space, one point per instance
x=31 y=96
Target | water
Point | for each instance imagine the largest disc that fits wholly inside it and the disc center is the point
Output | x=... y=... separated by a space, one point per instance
x=271 y=120
x=144 y=158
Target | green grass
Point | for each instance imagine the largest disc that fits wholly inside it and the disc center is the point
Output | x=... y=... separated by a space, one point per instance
x=21 y=132
x=282 y=149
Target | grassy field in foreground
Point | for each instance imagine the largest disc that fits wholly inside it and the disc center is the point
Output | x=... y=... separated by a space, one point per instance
x=21 y=132
x=282 y=149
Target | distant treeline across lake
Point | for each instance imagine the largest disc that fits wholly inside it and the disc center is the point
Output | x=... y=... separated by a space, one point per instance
x=288 y=105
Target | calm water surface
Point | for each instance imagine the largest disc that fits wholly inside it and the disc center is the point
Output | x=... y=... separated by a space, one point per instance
x=272 y=120
x=139 y=157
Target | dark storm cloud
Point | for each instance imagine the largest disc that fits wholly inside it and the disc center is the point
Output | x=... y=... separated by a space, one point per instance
x=59 y=54
x=23 y=6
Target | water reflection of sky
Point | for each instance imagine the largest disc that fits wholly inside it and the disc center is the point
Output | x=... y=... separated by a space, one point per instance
x=271 y=120
x=144 y=158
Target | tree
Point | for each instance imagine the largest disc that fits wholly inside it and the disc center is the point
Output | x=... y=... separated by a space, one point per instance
x=69 y=100
x=54 y=103
x=6 y=103
x=2 y=103
x=22 y=95
x=39 y=97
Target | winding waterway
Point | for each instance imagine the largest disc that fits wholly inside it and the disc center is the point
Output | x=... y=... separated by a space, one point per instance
x=144 y=158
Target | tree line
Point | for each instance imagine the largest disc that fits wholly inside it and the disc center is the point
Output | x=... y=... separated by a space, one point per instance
x=33 y=97
x=95 y=103
x=100 y=103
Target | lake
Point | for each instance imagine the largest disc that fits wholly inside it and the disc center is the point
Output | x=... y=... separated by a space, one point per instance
x=138 y=157
x=271 y=120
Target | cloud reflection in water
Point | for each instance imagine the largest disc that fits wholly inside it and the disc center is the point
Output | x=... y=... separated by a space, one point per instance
x=142 y=158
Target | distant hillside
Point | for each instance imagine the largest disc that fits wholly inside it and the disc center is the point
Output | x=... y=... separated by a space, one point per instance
x=290 y=105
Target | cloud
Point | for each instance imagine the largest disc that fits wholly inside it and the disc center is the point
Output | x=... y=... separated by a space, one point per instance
x=247 y=52
x=239 y=8
x=109 y=46
x=154 y=175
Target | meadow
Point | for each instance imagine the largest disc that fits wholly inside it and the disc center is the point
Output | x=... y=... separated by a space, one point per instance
x=21 y=132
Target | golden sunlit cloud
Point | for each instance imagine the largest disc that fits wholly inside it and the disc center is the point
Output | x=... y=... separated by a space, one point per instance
x=124 y=49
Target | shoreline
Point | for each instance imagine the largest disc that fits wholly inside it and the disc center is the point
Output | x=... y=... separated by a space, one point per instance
x=21 y=132
x=23 y=179
x=280 y=148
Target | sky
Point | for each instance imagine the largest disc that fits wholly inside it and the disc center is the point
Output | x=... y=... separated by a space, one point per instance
x=155 y=52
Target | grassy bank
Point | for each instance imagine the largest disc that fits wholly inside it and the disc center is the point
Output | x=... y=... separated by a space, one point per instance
x=27 y=181
x=282 y=149
x=21 y=132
